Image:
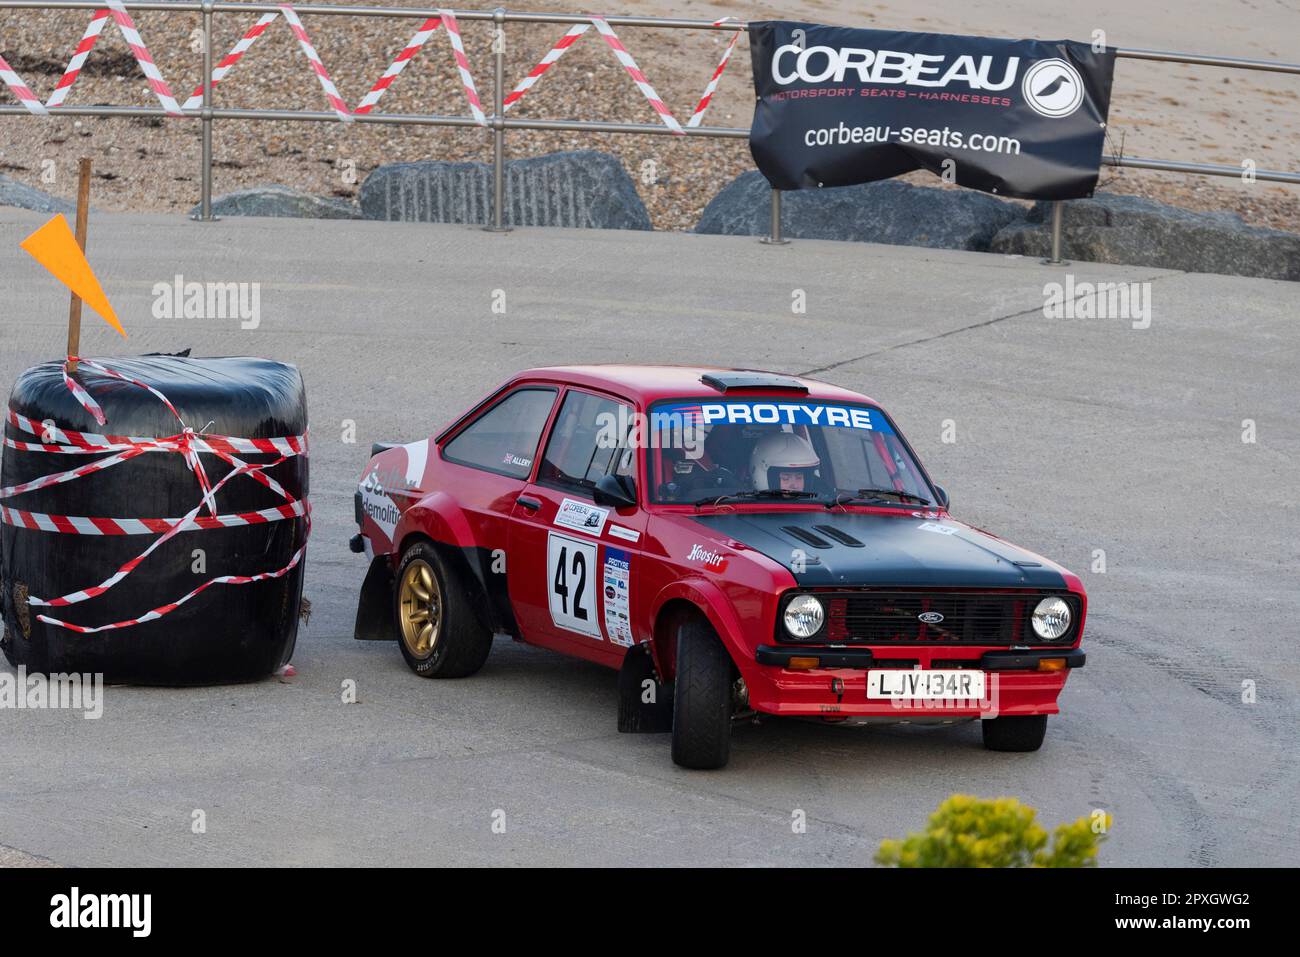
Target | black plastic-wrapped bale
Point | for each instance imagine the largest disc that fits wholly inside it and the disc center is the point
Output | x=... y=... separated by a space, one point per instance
x=227 y=632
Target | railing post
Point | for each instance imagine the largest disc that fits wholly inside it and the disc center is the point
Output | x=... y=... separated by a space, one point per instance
x=773 y=237
x=1058 y=217
x=499 y=126
x=205 y=175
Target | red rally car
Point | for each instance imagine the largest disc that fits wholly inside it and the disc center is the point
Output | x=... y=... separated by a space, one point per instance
x=734 y=542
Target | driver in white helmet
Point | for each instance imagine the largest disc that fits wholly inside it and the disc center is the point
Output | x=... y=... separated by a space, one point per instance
x=784 y=461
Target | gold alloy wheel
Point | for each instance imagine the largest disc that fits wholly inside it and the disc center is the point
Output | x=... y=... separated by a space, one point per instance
x=420 y=609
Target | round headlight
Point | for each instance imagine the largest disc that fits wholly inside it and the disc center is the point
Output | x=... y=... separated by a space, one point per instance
x=1051 y=619
x=804 y=616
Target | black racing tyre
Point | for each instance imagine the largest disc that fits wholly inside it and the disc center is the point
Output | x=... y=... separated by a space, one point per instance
x=437 y=630
x=1014 y=733
x=702 y=699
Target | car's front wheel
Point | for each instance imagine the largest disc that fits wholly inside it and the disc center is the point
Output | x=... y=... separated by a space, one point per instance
x=1015 y=732
x=702 y=699
x=437 y=630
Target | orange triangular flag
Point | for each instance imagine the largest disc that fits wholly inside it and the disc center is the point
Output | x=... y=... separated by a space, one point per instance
x=55 y=248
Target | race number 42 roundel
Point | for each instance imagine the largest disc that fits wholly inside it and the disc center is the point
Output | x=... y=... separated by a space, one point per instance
x=573 y=581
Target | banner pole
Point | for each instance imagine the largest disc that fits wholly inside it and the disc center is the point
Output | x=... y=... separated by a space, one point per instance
x=773 y=237
x=74 y=307
x=1058 y=217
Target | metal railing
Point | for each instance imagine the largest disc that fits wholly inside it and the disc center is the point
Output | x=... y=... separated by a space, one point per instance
x=499 y=123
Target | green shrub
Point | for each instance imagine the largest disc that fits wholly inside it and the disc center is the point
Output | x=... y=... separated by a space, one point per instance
x=968 y=831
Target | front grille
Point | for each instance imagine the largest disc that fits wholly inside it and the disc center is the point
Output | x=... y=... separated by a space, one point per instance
x=892 y=618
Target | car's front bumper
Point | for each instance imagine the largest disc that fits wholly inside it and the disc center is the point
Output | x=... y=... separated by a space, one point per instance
x=1015 y=683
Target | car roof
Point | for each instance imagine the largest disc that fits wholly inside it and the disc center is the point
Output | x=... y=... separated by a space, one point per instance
x=650 y=383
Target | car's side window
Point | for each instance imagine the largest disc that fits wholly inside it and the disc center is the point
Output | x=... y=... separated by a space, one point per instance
x=504 y=438
x=588 y=441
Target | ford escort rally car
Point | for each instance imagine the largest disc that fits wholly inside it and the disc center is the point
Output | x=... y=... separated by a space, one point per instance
x=735 y=542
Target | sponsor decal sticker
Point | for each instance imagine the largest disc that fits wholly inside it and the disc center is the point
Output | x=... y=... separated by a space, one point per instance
x=627 y=534
x=937 y=529
x=517 y=461
x=581 y=516
x=375 y=502
x=617 y=584
x=784 y=413
x=711 y=560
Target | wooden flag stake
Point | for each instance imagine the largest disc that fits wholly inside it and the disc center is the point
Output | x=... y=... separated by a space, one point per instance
x=83 y=209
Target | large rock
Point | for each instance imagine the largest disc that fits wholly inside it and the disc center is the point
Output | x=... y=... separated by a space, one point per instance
x=1115 y=228
x=583 y=189
x=883 y=212
x=281 y=201
x=14 y=193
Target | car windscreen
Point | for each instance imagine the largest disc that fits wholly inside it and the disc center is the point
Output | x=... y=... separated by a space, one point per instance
x=778 y=448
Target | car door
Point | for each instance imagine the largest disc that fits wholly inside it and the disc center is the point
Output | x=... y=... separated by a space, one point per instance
x=571 y=561
x=489 y=461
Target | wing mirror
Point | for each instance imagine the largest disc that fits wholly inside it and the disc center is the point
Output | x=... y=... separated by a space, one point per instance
x=942 y=494
x=614 y=491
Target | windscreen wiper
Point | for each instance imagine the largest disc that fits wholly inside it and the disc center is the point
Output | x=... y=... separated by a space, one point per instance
x=876 y=495
x=772 y=494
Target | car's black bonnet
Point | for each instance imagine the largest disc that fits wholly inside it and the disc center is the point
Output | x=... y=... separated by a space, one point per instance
x=862 y=548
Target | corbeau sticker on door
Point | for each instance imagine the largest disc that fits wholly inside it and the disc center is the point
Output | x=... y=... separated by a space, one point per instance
x=581 y=516
x=572 y=583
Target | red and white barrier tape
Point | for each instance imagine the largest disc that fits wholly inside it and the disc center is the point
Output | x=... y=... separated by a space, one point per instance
x=712 y=87
x=462 y=64
x=398 y=65
x=557 y=51
x=186 y=443
x=170 y=607
x=70 y=442
x=96 y=26
x=634 y=71
x=94 y=525
x=230 y=59
x=444 y=18
x=20 y=89
x=318 y=67
x=624 y=57
x=142 y=57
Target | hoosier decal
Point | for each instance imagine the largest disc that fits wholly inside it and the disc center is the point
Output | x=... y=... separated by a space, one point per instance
x=711 y=560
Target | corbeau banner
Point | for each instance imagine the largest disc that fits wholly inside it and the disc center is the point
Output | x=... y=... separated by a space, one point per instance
x=1022 y=118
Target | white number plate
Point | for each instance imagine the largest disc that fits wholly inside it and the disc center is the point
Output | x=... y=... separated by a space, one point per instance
x=952 y=685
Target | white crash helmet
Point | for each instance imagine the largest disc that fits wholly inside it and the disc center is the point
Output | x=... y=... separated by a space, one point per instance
x=782 y=452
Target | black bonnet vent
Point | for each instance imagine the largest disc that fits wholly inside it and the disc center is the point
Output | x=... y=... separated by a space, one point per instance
x=844 y=538
x=805 y=536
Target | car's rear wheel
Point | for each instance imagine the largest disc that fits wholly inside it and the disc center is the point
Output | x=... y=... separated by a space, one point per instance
x=1015 y=732
x=702 y=699
x=437 y=630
